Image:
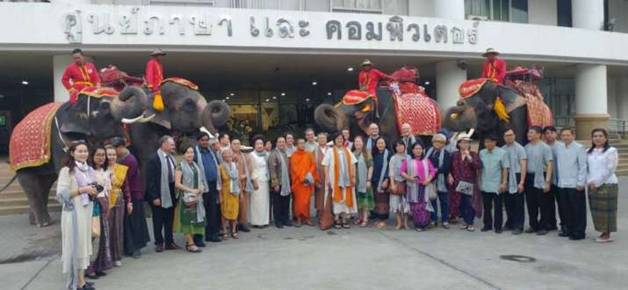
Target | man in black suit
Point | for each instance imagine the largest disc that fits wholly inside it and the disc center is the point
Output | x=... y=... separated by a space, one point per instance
x=161 y=194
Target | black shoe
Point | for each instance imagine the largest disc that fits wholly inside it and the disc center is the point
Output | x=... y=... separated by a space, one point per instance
x=214 y=240
x=92 y=276
x=577 y=238
x=485 y=229
x=279 y=225
x=541 y=232
x=159 y=248
x=530 y=231
x=101 y=274
x=517 y=232
x=563 y=234
x=137 y=254
x=288 y=224
x=498 y=231
x=86 y=287
x=243 y=228
x=554 y=228
x=200 y=244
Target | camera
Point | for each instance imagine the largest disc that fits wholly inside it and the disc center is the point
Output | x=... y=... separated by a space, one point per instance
x=99 y=188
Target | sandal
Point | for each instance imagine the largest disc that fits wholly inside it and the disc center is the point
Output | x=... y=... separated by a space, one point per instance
x=234 y=235
x=225 y=236
x=345 y=225
x=364 y=224
x=192 y=248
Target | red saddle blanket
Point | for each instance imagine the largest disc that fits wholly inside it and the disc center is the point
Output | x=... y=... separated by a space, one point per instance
x=418 y=110
x=354 y=97
x=471 y=87
x=182 y=82
x=29 y=145
x=99 y=92
x=539 y=114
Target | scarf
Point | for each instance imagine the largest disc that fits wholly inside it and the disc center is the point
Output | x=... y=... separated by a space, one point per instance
x=166 y=200
x=362 y=172
x=512 y=175
x=440 y=182
x=409 y=141
x=285 y=176
x=248 y=184
x=384 y=169
x=415 y=189
x=234 y=186
x=201 y=166
x=337 y=191
x=187 y=178
x=84 y=175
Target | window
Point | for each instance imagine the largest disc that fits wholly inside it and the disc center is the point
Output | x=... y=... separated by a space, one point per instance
x=564 y=13
x=498 y=10
x=357 y=6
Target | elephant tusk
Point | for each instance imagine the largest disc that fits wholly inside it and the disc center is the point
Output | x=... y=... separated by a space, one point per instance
x=147 y=119
x=471 y=131
x=131 y=121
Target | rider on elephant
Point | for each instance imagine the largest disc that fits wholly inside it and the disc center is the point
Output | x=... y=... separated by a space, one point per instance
x=154 y=75
x=79 y=74
x=369 y=78
x=494 y=68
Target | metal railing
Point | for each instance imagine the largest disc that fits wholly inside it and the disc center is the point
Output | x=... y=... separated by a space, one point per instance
x=617 y=128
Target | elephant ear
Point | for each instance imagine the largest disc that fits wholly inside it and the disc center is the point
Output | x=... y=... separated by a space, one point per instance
x=74 y=118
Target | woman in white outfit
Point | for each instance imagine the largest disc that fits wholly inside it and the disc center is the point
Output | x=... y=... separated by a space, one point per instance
x=260 y=199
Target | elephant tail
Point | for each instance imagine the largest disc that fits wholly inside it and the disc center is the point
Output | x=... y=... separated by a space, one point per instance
x=9 y=183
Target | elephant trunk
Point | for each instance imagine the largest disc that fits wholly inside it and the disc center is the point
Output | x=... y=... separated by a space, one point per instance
x=460 y=118
x=129 y=104
x=330 y=118
x=215 y=115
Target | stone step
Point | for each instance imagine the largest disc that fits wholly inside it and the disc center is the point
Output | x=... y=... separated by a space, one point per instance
x=19 y=193
x=23 y=209
x=21 y=201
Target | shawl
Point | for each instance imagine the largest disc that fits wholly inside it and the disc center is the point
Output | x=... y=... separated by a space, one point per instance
x=166 y=200
x=201 y=166
x=285 y=176
x=191 y=171
x=337 y=190
x=440 y=183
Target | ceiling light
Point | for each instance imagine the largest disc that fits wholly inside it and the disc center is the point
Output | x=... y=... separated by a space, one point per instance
x=231 y=94
x=314 y=83
x=329 y=93
x=427 y=83
x=350 y=69
x=226 y=98
x=267 y=100
x=307 y=99
x=283 y=94
x=274 y=97
x=25 y=83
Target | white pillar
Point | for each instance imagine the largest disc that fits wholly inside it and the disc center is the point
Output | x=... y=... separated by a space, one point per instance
x=449 y=77
x=450 y=9
x=59 y=62
x=587 y=14
x=591 y=98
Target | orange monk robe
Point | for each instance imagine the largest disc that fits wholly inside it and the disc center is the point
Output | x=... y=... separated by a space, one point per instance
x=302 y=163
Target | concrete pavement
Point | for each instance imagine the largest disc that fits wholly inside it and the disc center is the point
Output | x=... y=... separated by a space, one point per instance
x=306 y=258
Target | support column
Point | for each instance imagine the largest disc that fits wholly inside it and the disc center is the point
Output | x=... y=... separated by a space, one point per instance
x=591 y=99
x=59 y=62
x=450 y=9
x=588 y=14
x=448 y=79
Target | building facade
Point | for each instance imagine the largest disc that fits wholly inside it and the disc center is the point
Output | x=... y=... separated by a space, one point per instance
x=274 y=60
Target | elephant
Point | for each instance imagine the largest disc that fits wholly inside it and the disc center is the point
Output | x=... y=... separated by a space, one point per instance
x=185 y=112
x=92 y=119
x=477 y=112
x=334 y=118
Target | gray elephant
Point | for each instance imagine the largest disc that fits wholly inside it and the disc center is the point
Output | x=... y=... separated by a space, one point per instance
x=186 y=110
x=93 y=119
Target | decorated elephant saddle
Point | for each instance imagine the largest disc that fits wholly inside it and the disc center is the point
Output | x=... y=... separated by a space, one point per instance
x=99 y=92
x=181 y=81
x=113 y=77
x=30 y=141
x=471 y=87
x=418 y=110
x=539 y=114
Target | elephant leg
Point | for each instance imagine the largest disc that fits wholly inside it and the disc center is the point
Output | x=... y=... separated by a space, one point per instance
x=519 y=124
x=45 y=186
x=30 y=183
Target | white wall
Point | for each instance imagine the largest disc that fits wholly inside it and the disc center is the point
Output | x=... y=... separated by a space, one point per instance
x=542 y=12
x=422 y=8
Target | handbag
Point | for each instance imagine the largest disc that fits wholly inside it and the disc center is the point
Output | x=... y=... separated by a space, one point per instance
x=400 y=188
x=430 y=189
x=464 y=187
x=189 y=199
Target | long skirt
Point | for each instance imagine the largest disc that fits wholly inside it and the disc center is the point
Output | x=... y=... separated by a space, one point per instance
x=135 y=229
x=186 y=220
x=399 y=203
x=382 y=206
x=420 y=215
x=76 y=240
x=103 y=259
x=116 y=229
x=260 y=205
x=603 y=203
x=366 y=200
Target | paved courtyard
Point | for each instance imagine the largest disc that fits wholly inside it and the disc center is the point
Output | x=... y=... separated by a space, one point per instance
x=306 y=258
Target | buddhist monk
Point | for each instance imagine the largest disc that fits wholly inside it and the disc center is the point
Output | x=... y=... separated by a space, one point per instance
x=303 y=177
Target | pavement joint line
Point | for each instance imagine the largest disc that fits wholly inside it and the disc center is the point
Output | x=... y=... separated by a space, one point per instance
x=441 y=261
x=38 y=272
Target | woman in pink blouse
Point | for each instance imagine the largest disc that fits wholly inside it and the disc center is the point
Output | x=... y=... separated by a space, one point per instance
x=418 y=173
